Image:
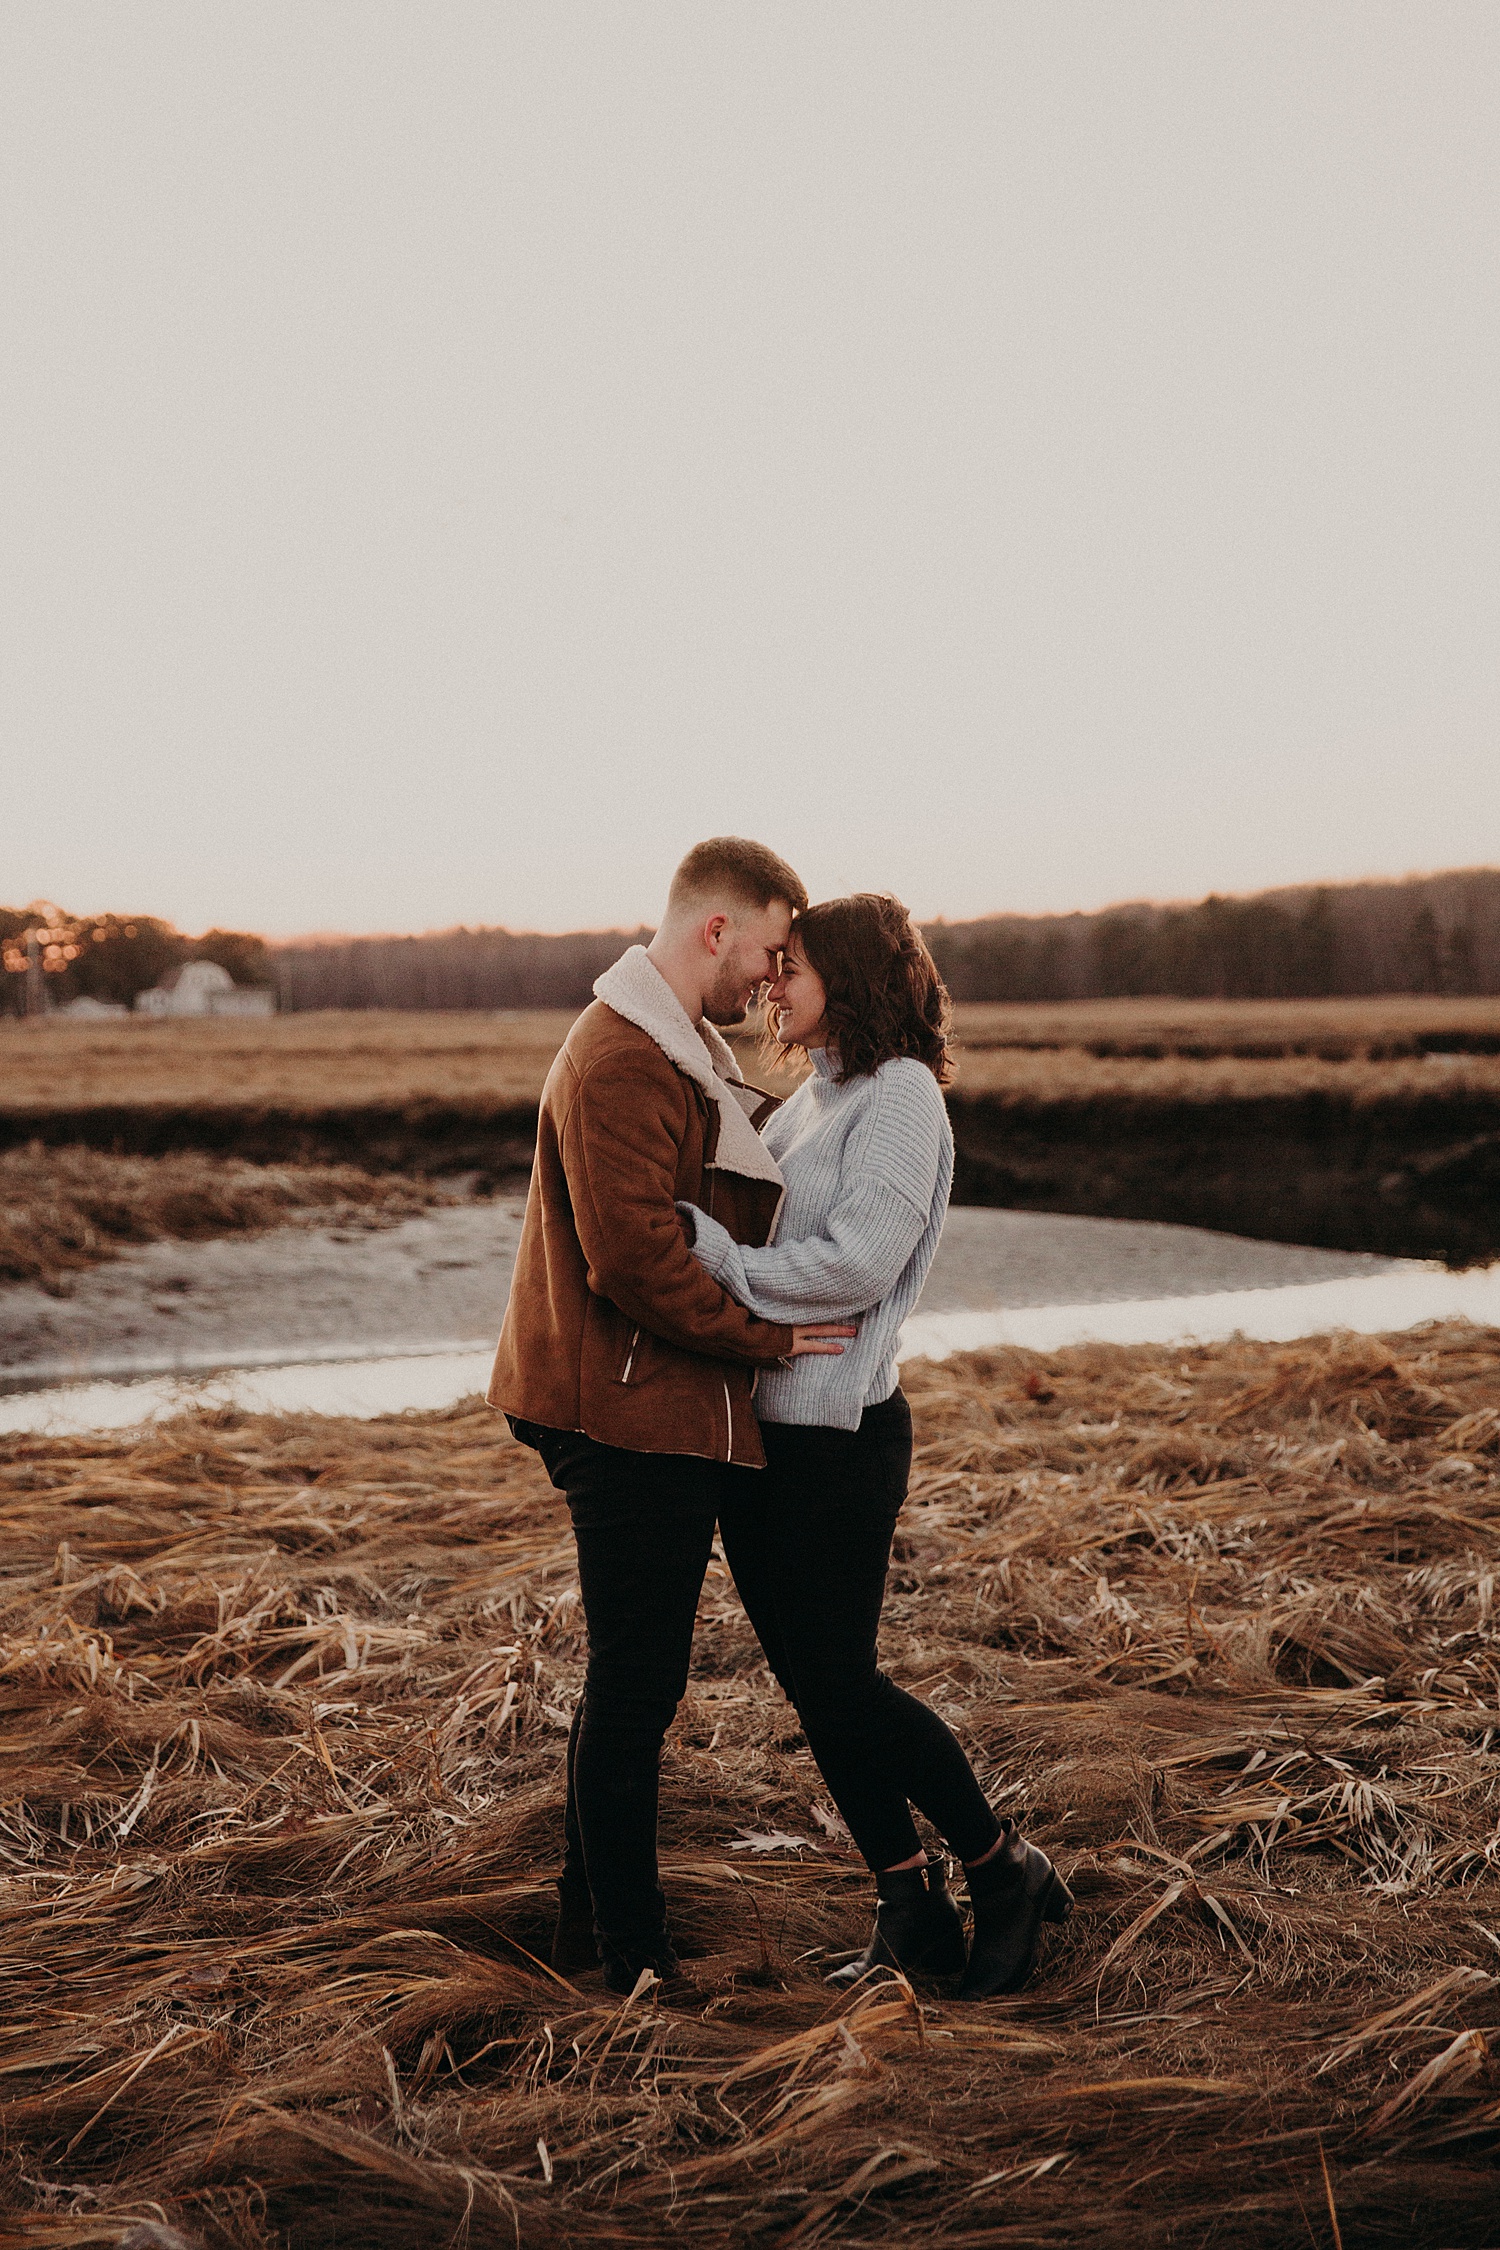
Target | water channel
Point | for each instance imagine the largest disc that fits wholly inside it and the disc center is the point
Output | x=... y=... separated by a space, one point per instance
x=352 y=1380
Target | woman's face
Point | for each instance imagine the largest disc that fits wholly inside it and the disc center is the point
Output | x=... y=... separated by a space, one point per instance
x=798 y=1001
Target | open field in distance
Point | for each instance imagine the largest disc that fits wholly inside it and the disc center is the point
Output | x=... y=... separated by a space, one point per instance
x=286 y=1706
x=1064 y=1075
x=339 y=1059
x=1403 y=1024
x=300 y=1061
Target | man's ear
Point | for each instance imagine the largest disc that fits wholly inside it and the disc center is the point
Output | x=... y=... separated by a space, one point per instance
x=713 y=931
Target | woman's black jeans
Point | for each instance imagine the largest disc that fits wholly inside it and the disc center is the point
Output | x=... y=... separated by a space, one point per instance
x=808 y=1539
x=644 y=1527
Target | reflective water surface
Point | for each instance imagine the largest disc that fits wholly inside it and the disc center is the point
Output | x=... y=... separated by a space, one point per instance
x=1397 y=1298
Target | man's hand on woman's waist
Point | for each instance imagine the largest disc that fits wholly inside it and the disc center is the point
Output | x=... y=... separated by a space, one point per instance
x=819 y=1336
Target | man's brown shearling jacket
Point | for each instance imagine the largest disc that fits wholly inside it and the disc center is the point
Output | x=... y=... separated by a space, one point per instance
x=613 y=1328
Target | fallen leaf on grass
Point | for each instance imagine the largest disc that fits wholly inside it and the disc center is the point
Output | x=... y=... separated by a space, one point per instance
x=772 y=1840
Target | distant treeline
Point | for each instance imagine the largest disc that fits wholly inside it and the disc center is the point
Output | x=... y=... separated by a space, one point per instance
x=1436 y=934
x=450 y=969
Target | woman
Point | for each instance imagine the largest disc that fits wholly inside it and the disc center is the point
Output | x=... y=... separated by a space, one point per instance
x=865 y=1148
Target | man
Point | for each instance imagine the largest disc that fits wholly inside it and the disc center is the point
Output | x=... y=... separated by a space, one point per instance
x=628 y=1368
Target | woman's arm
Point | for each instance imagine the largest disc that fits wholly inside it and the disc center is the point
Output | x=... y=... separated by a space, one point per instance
x=881 y=1208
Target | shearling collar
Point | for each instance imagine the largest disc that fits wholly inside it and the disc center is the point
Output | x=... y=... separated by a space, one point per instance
x=636 y=989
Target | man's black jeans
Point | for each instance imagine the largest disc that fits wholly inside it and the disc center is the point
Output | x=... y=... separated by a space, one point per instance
x=808 y=1539
x=644 y=1527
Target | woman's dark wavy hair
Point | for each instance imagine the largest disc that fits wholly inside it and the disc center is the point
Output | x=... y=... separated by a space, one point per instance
x=885 y=996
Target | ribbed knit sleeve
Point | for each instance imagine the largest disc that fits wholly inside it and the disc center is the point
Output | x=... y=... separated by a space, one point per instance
x=878 y=1202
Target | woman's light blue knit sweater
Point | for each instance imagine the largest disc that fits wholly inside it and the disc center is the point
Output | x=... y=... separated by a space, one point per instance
x=868 y=1165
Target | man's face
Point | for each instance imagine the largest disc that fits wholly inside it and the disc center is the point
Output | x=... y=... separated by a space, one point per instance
x=749 y=951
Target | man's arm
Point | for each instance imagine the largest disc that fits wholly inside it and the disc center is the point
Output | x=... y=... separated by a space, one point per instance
x=880 y=1214
x=861 y=1253
x=620 y=1144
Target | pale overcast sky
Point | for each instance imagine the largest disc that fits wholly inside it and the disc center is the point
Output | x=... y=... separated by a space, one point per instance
x=1023 y=455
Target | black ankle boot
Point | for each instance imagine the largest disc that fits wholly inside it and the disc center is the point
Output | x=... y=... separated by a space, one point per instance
x=1013 y=1894
x=917 y=1927
x=573 y=1946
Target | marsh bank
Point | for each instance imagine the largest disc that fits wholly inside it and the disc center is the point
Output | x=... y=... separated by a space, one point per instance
x=1407 y=1174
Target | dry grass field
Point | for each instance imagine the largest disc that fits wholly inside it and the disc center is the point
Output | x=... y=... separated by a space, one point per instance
x=64 y=1209
x=1403 y=1024
x=1200 y=1050
x=305 y=1061
x=1038 y=1078
x=285 y=1707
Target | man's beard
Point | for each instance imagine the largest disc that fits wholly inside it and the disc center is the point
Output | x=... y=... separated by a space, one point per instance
x=724 y=1003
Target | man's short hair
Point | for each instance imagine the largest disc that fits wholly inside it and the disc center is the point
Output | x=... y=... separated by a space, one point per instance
x=734 y=867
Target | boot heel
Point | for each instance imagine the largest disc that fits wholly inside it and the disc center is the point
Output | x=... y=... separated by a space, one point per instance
x=1057 y=1904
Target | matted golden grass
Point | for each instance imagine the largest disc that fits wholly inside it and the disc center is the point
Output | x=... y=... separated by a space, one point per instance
x=64 y=1209
x=1158 y=1050
x=286 y=1704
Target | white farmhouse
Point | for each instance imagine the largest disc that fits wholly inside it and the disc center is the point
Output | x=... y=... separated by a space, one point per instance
x=202 y=988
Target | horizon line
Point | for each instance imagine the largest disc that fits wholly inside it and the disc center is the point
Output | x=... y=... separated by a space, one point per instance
x=925 y=921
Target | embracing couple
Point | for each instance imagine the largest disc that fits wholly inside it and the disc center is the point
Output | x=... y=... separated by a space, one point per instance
x=702 y=1331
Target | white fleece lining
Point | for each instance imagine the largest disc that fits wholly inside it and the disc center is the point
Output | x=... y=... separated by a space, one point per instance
x=636 y=989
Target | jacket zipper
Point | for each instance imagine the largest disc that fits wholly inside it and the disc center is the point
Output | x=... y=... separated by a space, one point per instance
x=729 y=1418
x=624 y=1375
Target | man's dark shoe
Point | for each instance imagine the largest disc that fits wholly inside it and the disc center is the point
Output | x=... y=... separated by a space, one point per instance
x=918 y=1927
x=1013 y=1894
x=623 y=1965
x=573 y=1944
